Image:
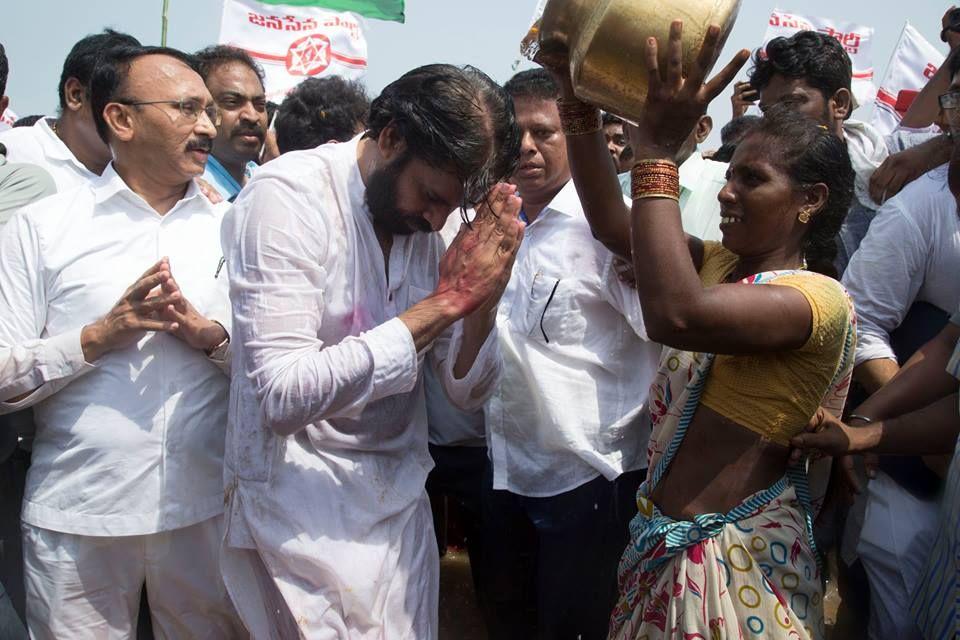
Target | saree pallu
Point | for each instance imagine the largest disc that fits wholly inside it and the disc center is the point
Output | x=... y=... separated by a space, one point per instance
x=752 y=572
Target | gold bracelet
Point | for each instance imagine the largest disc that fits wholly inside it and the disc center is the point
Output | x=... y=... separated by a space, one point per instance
x=655 y=179
x=578 y=118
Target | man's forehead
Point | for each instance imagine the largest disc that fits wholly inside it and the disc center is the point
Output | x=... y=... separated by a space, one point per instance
x=166 y=73
x=235 y=77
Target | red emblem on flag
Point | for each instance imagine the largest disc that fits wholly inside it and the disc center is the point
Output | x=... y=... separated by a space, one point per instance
x=309 y=55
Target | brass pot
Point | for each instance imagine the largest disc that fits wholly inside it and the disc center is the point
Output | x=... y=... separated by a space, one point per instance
x=604 y=40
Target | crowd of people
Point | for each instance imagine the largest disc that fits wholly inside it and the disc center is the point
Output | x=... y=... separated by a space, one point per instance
x=251 y=352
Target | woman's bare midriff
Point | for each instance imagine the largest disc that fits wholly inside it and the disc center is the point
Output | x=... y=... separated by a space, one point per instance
x=718 y=465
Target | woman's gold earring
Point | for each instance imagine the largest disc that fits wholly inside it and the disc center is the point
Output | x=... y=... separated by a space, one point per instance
x=804 y=216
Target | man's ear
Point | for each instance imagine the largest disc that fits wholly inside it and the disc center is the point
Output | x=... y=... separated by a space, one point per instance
x=4 y=103
x=704 y=127
x=119 y=121
x=841 y=104
x=75 y=94
x=390 y=143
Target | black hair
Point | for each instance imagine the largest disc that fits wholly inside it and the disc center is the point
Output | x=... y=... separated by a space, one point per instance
x=811 y=154
x=212 y=57
x=110 y=77
x=27 y=121
x=4 y=70
x=608 y=118
x=319 y=110
x=731 y=135
x=537 y=84
x=83 y=57
x=455 y=119
x=814 y=57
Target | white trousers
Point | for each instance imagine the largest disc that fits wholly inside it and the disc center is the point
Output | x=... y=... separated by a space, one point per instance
x=88 y=587
x=898 y=532
x=303 y=589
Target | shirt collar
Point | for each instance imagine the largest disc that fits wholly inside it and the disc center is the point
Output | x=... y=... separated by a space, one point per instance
x=53 y=146
x=346 y=154
x=566 y=202
x=214 y=166
x=110 y=184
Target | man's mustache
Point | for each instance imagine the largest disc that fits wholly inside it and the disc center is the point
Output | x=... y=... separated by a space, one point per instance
x=200 y=144
x=254 y=130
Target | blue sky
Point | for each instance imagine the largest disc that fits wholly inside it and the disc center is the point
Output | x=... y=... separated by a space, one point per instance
x=38 y=33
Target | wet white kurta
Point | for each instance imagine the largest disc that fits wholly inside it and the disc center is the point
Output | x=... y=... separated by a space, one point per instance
x=337 y=511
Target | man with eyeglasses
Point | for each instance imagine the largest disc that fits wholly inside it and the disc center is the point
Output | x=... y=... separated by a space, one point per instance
x=236 y=83
x=117 y=334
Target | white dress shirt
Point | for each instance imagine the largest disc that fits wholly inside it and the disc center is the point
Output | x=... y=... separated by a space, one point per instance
x=133 y=443
x=39 y=145
x=319 y=350
x=700 y=183
x=910 y=253
x=577 y=365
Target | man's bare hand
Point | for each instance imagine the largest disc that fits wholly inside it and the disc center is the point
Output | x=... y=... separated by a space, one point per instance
x=476 y=268
x=897 y=171
x=133 y=315
x=192 y=328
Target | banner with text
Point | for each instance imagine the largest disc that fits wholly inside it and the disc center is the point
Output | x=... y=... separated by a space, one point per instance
x=913 y=63
x=856 y=39
x=295 y=43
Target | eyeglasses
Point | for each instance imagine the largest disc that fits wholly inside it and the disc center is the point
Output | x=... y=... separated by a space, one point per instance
x=189 y=108
x=950 y=100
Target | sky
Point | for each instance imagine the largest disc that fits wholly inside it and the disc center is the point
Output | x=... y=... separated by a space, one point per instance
x=37 y=35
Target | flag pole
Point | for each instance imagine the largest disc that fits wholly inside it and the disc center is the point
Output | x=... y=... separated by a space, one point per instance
x=163 y=23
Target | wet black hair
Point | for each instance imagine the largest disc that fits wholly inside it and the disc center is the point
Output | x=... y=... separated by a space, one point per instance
x=811 y=154
x=319 y=110
x=110 y=76
x=455 y=119
x=83 y=57
x=814 y=57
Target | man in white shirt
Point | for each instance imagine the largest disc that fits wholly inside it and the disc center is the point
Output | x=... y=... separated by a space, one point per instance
x=236 y=83
x=567 y=426
x=68 y=146
x=340 y=294
x=700 y=182
x=910 y=255
x=130 y=397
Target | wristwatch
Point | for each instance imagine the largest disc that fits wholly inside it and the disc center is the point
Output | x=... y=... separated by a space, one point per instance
x=219 y=351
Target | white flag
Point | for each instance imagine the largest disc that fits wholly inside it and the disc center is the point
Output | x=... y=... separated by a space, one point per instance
x=294 y=43
x=912 y=65
x=856 y=39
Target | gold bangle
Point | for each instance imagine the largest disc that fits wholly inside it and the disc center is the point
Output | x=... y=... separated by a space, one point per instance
x=655 y=179
x=578 y=118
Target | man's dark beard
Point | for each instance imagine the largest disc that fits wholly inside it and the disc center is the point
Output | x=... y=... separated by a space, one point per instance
x=381 y=198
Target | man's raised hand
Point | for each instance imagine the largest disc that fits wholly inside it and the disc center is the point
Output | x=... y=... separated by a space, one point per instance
x=476 y=268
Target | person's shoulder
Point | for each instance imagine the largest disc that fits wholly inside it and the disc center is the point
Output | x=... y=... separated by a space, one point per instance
x=22 y=144
x=48 y=212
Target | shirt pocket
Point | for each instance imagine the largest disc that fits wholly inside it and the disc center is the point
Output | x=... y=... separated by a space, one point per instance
x=548 y=311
